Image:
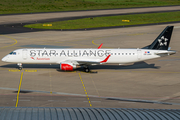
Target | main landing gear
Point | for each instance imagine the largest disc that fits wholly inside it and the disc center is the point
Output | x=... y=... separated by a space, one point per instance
x=19 y=66
x=86 y=69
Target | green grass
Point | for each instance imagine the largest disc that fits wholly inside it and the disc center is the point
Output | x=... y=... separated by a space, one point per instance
x=110 y=21
x=31 y=6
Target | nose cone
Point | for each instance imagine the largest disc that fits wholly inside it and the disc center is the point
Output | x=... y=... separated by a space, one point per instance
x=4 y=59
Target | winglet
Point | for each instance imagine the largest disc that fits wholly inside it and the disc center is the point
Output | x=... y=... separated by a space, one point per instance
x=106 y=59
x=100 y=46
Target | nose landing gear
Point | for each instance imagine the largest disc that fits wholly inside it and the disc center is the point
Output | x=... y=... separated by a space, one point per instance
x=20 y=66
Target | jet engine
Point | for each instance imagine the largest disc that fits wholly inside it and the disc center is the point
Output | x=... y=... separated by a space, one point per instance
x=67 y=66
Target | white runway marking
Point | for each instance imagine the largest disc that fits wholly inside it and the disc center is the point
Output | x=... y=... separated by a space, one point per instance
x=177 y=27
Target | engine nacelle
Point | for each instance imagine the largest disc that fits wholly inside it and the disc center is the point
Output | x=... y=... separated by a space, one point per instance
x=67 y=66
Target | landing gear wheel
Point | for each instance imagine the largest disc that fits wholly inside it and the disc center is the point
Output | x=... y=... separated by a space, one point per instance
x=86 y=69
x=20 y=66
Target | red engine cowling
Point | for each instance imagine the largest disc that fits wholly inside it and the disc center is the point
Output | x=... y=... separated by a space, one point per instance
x=67 y=66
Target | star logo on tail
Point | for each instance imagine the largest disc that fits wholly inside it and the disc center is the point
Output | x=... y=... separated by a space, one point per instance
x=163 y=41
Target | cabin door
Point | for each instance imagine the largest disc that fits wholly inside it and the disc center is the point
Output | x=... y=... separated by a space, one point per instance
x=24 y=54
x=139 y=54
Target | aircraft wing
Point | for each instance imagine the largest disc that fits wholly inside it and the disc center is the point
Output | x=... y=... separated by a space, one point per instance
x=88 y=62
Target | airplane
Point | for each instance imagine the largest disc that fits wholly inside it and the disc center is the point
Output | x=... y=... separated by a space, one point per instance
x=70 y=59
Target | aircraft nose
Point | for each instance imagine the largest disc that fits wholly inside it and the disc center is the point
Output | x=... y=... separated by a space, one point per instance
x=4 y=59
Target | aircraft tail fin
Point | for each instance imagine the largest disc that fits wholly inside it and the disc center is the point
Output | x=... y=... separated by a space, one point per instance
x=162 y=41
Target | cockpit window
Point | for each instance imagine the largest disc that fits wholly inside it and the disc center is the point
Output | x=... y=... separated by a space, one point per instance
x=12 y=53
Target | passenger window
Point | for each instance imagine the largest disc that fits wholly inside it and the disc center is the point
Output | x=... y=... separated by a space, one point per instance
x=111 y=53
x=118 y=53
x=126 y=53
x=122 y=53
x=114 y=53
x=129 y=53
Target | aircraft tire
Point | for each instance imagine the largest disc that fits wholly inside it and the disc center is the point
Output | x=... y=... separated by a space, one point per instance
x=86 y=70
x=20 y=68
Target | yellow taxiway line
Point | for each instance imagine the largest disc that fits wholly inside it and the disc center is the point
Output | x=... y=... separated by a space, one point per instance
x=85 y=90
x=15 y=70
x=105 y=70
x=30 y=70
x=11 y=44
x=19 y=89
x=94 y=43
x=11 y=70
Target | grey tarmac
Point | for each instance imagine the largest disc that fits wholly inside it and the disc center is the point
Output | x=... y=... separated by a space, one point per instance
x=155 y=80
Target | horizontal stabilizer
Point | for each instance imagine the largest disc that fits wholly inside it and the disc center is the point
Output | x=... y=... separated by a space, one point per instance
x=165 y=52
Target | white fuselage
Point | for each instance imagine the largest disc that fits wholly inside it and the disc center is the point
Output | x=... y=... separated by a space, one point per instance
x=57 y=56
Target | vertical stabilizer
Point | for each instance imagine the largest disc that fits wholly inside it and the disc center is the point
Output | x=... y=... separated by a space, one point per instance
x=163 y=40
